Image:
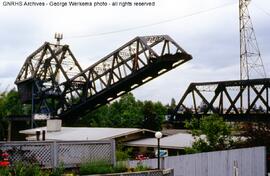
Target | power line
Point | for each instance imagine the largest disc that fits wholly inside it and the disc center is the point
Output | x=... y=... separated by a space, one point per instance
x=263 y=10
x=152 y=24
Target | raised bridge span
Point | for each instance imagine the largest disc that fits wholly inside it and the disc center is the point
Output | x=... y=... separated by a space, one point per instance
x=52 y=80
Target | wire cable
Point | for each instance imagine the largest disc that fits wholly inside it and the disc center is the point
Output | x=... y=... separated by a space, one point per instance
x=263 y=10
x=152 y=24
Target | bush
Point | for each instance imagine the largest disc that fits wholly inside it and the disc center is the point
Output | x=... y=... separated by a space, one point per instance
x=141 y=167
x=120 y=168
x=101 y=167
x=123 y=154
x=22 y=169
x=58 y=171
x=98 y=167
x=211 y=133
x=4 y=171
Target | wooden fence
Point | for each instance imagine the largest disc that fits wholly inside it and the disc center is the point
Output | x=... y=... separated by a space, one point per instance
x=51 y=154
x=238 y=162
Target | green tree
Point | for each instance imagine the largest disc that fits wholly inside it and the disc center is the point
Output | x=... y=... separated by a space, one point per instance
x=96 y=118
x=153 y=115
x=127 y=112
x=10 y=104
x=210 y=133
x=256 y=134
x=173 y=104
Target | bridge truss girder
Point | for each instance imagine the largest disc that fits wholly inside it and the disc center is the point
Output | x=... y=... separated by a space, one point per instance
x=229 y=98
x=132 y=65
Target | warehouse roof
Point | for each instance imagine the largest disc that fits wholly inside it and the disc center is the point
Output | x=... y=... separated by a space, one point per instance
x=176 y=141
x=84 y=133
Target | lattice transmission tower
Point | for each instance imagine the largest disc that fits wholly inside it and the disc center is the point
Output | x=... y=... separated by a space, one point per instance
x=251 y=64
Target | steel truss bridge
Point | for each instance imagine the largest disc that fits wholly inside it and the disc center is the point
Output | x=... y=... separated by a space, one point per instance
x=52 y=80
x=234 y=100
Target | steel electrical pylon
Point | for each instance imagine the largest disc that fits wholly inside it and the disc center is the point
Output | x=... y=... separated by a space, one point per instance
x=251 y=64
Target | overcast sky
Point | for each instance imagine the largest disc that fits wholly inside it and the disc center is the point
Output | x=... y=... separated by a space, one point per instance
x=208 y=29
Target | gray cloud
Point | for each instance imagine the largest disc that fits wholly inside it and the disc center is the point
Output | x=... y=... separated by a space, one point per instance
x=212 y=38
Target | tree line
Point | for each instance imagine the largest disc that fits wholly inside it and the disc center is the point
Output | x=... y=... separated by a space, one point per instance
x=125 y=112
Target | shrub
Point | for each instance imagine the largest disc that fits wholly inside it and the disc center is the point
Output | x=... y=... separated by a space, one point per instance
x=58 y=171
x=22 y=169
x=98 y=167
x=120 y=168
x=4 y=171
x=101 y=167
x=211 y=133
x=123 y=153
x=141 y=167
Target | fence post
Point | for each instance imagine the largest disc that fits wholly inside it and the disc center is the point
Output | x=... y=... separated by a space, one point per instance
x=113 y=152
x=172 y=172
x=54 y=154
x=162 y=163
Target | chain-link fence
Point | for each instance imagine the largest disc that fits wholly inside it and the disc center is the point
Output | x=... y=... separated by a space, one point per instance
x=51 y=154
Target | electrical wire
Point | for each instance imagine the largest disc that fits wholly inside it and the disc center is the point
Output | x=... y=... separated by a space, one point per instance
x=263 y=10
x=151 y=24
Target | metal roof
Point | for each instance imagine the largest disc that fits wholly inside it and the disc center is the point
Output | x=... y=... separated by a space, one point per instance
x=177 y=141
x=83 y=133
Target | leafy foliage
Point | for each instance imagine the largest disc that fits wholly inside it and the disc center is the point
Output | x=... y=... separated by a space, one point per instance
x=20 y=169
x=10 y=105
x=256 y=134
x=127 y=112
x=153 y=115
x=101 y=167
x=123 y=154
x=5 y=172
x=140 y=167
x=210 y=133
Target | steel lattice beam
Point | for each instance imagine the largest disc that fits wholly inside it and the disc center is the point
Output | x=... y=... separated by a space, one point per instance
x=132 y=65
x=225 y=98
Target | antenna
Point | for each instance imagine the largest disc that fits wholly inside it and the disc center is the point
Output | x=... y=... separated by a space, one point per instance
x=251 y=65
x=58 y=37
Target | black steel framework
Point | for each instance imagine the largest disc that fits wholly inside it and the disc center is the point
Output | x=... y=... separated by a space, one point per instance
x=224 y=98
x=67 y=91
